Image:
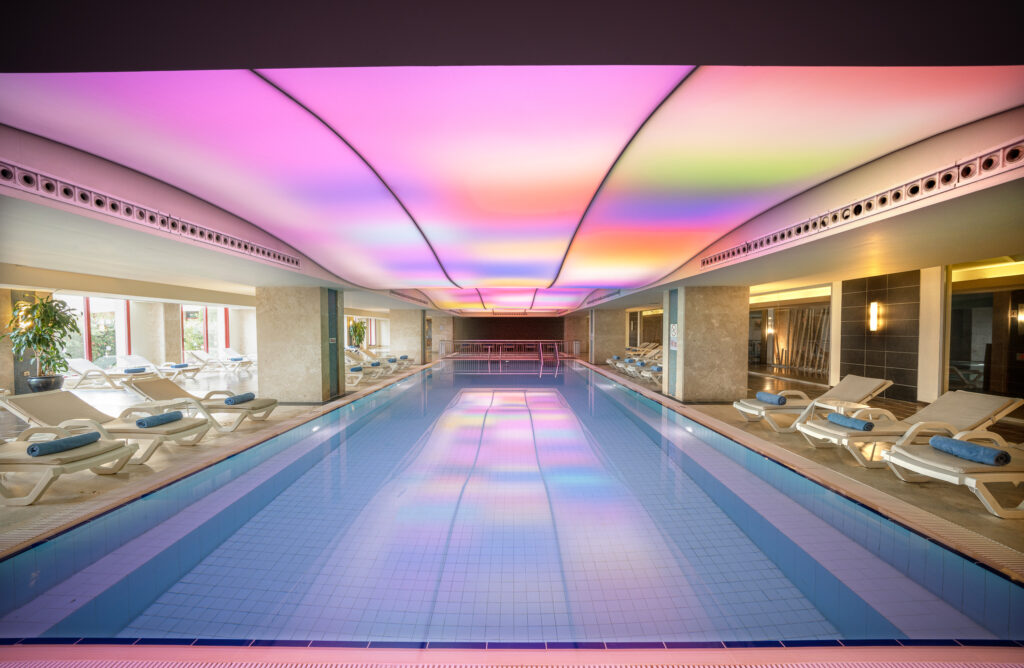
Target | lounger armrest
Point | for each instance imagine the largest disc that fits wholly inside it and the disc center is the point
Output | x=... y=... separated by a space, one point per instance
x=86 y=422
x=928 y=427
x=218 y=393
x=154 y=407
x=58 y=432
x=793 y=393
x=871 y=413
x=975 y=435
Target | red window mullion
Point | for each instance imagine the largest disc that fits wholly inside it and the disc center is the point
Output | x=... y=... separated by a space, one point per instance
x=182 y=322
x=206 y=330
x=128 y=323
x=87 y=331
x=227 y=329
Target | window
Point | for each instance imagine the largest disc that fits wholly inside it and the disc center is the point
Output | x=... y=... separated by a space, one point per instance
x=106 y=332
x=204 y=328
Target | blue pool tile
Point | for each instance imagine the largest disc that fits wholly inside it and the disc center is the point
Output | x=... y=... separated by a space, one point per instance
x=752 y=643
x=974 y=642
x=715 y=644
x=280 y=643
x=107 y=641
x=523 y=645
x=997 y=604
x=875 y=642
x=576 y=645
x=340 y=643
x=165 y=641
x=389 y=644
x=9 y=641
x=49 y=641
x=925 y=642
x=634 y=645
x=226 y=642
x=456 y=645
x=811 y=643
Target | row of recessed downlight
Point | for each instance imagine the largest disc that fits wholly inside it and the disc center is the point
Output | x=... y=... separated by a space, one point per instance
x=929 y=184
x=107 y=204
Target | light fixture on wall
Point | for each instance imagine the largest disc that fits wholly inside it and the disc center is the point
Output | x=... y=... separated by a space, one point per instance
x=873 y=316
x=1019 y=314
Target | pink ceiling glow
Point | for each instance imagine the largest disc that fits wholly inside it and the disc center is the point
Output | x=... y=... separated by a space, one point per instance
x=493 y=189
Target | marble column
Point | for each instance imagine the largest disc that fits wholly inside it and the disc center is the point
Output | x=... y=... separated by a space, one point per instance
x=706 y=340
x=172 y=346
x=608 y=334
x=292 y=336
x=147 y=325
x=577 y=328
x=407 y=333
x=6 y=356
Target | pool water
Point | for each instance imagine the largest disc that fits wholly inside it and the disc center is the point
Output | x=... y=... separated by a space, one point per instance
x=518 y=508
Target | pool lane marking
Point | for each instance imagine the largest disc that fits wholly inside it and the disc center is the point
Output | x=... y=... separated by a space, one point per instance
x=551 y=512
x=455 y=514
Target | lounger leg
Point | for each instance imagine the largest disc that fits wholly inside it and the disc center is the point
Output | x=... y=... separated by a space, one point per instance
x=262 y=415
x=195 y=438
x=223 y=428
x=146 y=451
x=114 y=466
x=818 y=442
x=991 y=504
x=854 y=450
x=44 y=482
x=771 y=422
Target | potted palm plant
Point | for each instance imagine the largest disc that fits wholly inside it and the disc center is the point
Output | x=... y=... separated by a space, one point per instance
x=42 y=326
x=356 y=333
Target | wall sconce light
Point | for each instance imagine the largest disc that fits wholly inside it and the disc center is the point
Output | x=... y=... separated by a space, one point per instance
x=1020 y=318
x=873 y=316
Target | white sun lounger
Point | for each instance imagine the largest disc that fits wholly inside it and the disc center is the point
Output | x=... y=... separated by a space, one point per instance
x=59 y=408
x=104 y=457
x=167 y=392
x=93 y=376
x=950 y=414
x=920 y=462
x=165 y=371
x=857 y=389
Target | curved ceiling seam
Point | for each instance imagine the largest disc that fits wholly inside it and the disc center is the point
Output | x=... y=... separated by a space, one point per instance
x=658 y=281
x=366 y=162
x=611 y=168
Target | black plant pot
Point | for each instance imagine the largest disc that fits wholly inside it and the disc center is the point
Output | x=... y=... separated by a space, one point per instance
x=45 y=383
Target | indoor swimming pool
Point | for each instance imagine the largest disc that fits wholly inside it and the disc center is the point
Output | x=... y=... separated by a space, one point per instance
x=507 y=509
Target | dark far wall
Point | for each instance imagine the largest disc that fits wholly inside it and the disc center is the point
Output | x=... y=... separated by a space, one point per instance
x=510 y=328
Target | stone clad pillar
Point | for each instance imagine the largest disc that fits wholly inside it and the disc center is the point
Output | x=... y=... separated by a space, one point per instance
x=172 y=345
x=608 y=334
x=407 y=334
x=706 y=350
x=294 y=343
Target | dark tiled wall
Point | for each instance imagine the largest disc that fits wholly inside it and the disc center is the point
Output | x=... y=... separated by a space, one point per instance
x=891 y=352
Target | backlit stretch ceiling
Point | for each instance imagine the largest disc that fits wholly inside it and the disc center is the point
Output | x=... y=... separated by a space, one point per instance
x=502 y=189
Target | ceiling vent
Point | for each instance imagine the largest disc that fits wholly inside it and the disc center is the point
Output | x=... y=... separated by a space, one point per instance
x=981 y=166
x=29 y=180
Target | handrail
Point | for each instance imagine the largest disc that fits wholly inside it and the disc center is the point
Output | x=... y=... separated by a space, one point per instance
x=499 y=349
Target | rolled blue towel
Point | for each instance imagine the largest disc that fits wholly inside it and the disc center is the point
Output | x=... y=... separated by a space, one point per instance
x=392 y=360
x=62 y=444
x=157 y=420
x=236 y=359
x=769 y=398
x=179 y=366
x=374 y=363
x=850 y=422
x=239 y=398
x=974 y=452
x=403 y=357
x=616 y=357
x=356 y=368
x=641 y=363
x=656 y=368
x=630 y=360
x=136 y=369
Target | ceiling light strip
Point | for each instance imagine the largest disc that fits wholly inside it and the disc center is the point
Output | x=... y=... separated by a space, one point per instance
x=366 y=162
x=31 y=180
x=986 y=164
x=611 y=168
